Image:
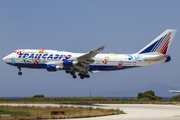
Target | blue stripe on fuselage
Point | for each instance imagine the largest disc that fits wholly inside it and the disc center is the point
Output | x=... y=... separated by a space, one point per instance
x=107 y=68
x=91 y=67
x=28 y=65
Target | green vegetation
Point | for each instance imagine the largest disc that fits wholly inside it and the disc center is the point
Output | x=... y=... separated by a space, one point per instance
x=45 y=112
x=116 y=99
x=132 y=99
x=70 y=99
x=39 y=96
x=175 y=98
x=14 y=113
x=90 y=101
x=148 y=95
x=5 y=99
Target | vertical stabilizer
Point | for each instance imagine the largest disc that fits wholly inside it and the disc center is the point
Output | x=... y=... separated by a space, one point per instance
x=160 y=44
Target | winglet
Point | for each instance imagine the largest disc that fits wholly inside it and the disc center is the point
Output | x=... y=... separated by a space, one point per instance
x=101 y=48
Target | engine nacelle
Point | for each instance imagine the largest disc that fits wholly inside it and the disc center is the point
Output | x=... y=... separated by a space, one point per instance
x=53 y=67
x=69 y=63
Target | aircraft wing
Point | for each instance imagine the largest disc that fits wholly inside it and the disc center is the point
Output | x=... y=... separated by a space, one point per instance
x=156 y=58
x=174 y=91
x=90 y=55
x=86 y=59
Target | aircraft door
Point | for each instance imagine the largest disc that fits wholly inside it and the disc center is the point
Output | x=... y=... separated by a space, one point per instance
x=134 y=62
x=98 y=60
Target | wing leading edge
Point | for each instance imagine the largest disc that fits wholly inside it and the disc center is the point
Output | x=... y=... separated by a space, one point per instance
x=90 y=55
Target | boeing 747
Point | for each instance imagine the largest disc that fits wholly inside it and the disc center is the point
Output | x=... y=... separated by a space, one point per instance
x=83 y=63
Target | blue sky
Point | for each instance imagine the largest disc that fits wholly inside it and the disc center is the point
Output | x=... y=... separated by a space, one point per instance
x=124 y=26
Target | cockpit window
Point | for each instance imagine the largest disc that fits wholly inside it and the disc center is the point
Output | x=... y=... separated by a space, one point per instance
x=15 y=51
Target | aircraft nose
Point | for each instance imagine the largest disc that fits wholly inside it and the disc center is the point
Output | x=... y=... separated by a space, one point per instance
x=4 y=59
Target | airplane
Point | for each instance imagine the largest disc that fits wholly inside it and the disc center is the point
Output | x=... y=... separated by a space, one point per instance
x=83 y=63
x=174 y=91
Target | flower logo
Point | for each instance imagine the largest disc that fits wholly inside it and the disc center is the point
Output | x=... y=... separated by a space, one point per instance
x=129 y=57
x=19 y=52
x=106 y=59
x=36 y=61
x=120 y=64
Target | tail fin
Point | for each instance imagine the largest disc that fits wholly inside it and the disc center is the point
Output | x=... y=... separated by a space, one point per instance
x=160 y=44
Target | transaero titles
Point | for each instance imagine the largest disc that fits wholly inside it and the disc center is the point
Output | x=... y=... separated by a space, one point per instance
x=48 y=56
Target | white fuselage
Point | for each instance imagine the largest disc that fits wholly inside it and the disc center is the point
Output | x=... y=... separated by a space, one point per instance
x=52 y=60
x=33 y=58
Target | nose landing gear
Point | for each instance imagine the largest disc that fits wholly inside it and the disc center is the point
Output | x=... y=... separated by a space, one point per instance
x=19 y=73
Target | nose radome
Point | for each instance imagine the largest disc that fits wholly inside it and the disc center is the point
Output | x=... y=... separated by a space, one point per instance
x=4 y=59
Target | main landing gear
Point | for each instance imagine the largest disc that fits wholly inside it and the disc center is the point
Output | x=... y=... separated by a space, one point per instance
x=73 y=75
x=19 y=73
x=81 y=75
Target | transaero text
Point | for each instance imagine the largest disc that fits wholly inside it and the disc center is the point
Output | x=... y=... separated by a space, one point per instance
x=45 y=56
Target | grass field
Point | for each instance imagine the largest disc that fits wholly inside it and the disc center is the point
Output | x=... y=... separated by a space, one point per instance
x=93 y=100
x=24 y=113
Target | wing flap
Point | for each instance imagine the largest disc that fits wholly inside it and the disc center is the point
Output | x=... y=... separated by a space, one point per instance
x=96 y=71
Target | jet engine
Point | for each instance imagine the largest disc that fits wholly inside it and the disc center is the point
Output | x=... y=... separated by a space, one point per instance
x=69 y=63
x=53 y=67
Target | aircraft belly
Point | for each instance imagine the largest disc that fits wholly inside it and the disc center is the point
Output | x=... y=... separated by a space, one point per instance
x=32 y=62
x=28 y=65
x=108 y=68
x=146 y=63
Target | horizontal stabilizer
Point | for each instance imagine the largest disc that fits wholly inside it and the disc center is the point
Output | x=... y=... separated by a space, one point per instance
x=156 y=58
